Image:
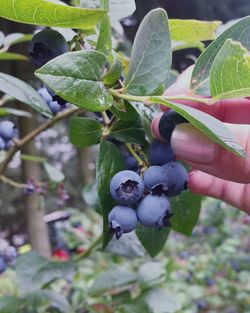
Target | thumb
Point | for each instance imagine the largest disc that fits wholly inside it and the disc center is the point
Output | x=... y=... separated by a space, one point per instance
x=190 y=145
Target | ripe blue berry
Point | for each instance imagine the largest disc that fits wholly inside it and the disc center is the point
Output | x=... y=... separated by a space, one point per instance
x=154 y=211
x=160 y=153
x=3 y=264
x=126 y=187
x=122 y=219
x=178 y=178
x=131 y=163
x=8 y=130
x=2 y=144
x=54 y=105
x=46 y=45
x=156 y=180
x=168 y=122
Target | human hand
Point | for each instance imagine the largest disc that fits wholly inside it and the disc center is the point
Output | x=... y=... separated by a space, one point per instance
x=216 y=172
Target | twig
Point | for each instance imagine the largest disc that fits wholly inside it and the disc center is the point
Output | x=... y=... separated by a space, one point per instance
x=11 y=182
x=32 y=135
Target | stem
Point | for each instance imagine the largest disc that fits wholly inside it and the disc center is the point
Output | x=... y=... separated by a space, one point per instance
x=146 y=99
x=105 y=118
x=90 y=249
x=32 y=135
x=128 y=97
x=134 y=154
x=11 y=182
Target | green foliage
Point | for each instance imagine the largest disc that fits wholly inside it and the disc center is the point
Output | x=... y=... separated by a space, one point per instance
x=84 y=132
x=186 y=208
x=152 y=239
x=23 y=92
x=47 y=13
x=231 y=61
x=77 y=78
x=109 y=162
x=151 y=55
x=200 y=77
x=191 y=32
x=208 y=125
x=55 y=175
x=35 y=271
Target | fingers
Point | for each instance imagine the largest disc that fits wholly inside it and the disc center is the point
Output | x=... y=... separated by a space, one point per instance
x=236 y=194
x=190 y=145
x=235 y=111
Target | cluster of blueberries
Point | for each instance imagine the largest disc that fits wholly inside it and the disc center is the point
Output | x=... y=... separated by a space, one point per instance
x=8 y=131
x=8 y=255
x=145 y=199
x=45 y=46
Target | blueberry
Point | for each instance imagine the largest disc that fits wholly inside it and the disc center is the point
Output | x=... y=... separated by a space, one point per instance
x=154 y=211
x=55 y=97
x=3 y=264
x=178 y=178
x=8 y=130
x=126 y=187
x=202 y=304
x=156 y=180
x=2 y=144
x=55 y=103
x=168 y=122
x=122 y=219
x=160 y=153
x=46 y=45
x=43 y=92
x=131 y=163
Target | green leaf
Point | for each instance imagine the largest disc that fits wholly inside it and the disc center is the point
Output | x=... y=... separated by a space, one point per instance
x=147 y=114
x=55 y=175
x=137 y=306
x=84 y=132
x=162 y=301
x=7 y=111
x=104 y=43
x=208 y=125
x=90 y=196
x=151 y=274
x=129 y=131
x=191 y=31
x=126 y=112
x=200 y=76
x=56 y=300
x=114 y=72
x=114 y=278
x=34 y=271
x=23 y=92
x=232 y=61
x=46 y=13
x=186 y=208
x=77 y=78
x=152 y=239
x=12 y=56
x=151 y=55
x=109 y=162
x=11 y=304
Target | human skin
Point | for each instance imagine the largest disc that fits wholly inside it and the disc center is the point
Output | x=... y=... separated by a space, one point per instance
x=216 y=172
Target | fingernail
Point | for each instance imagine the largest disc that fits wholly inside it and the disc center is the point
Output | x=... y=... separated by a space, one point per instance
x=191 y=145
x=155 y=126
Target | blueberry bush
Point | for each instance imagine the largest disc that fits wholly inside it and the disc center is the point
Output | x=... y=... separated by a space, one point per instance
x=110 y=99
